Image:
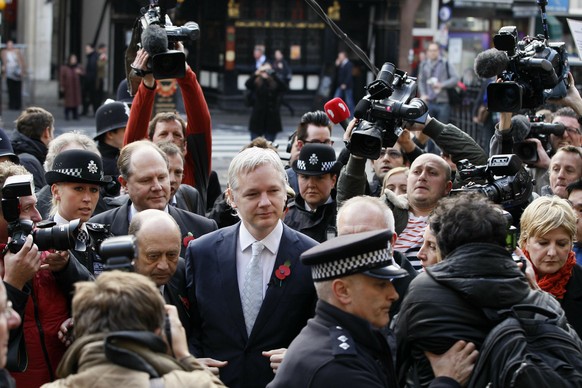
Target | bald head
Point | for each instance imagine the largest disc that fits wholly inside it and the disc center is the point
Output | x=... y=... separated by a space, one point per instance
x=152 y=220
x=362 y=214
x=428 y=181
x=159 y=242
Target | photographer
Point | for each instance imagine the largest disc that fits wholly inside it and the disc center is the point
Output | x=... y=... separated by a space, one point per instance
x=268 y=90
x=35 y=282
x=514 y=130
x=429 y=180
x=194 y=137
x=143 y=344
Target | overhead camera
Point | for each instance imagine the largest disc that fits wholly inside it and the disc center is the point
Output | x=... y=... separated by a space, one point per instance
x=504 y=180
x=532 y=69
x=389 y=102
x=539 y=129
x=158 y=37
x=118 y=253
x=47 y=234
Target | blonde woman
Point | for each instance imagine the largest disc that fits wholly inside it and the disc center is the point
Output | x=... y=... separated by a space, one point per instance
x=548 y=229
x=395 y=180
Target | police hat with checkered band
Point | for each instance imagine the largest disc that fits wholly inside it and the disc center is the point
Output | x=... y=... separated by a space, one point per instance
x=316 y=159
x=79 y=166
x=367 y=253
x=110 y=116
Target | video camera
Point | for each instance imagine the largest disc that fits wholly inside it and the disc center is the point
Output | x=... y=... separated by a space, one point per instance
x=48 y=235
x=159 y=37
x=118 y=253
x=539 y=129
x=382 y=111
x=536 y=69
x=504 y=180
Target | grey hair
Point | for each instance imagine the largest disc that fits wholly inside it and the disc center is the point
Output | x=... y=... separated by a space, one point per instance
x=323 y=290
x=366 y=202
x=58 y=143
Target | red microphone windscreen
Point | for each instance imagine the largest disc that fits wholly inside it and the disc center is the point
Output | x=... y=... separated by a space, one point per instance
x=337 y=110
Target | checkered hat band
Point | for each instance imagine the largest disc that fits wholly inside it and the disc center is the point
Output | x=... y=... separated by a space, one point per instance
x=326 y=166
x=350 y=265
x=76 y=172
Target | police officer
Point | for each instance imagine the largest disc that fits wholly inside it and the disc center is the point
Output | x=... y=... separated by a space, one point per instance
x=341 y=346
x=110 y=120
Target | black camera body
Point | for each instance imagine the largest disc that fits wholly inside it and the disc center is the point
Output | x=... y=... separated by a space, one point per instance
x=165 y=62
x=539 y=129
x=504 y=180
x=118 y=253
x=48 y=235
x=389 y=102
x=537 y=70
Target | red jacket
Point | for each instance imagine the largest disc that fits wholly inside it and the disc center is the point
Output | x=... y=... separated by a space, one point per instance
x=198 y=130
x=43 y=307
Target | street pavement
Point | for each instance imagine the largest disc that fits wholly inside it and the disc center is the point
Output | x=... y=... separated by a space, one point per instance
x=229 y=131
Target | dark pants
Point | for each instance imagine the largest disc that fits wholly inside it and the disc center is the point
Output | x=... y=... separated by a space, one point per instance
x=73 y=111
x=92 y=95
x=14 y=94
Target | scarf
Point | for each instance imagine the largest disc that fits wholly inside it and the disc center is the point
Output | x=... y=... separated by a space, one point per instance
x=555 y=283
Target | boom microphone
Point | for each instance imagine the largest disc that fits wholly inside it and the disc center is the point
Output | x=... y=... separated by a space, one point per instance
x=520 y=126
x=154 y=40
x=490 y=63
x=338 y=112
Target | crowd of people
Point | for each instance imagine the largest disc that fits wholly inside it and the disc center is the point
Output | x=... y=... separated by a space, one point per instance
x=304 y=274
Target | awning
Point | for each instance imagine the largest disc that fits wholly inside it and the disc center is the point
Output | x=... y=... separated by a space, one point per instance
x=498 y=4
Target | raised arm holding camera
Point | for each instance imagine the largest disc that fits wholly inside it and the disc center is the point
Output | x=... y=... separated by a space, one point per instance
x=194 y=137
x=531 y=72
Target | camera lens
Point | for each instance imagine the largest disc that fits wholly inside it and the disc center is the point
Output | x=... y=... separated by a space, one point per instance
x=59 y=237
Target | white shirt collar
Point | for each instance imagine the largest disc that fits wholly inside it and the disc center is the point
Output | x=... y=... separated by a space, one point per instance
x=271 y=242
x=59 y=219
x=310 y=209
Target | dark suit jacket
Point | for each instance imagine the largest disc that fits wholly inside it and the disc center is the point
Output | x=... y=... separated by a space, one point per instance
x=218 y=322
x=189 y=199
x=344 y=75
x=175 y=294
x=188 y=222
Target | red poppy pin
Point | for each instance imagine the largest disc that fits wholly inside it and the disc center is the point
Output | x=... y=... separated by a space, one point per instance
x=283 y=272
x=189 y=237
x=185 y=302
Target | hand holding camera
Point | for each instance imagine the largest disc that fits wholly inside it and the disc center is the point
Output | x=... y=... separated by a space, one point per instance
x=140 y=67
x=55 y=261
x=21 y=266
x=178 y=342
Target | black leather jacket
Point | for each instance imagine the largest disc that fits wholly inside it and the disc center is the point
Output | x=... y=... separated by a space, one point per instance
x=444 y=304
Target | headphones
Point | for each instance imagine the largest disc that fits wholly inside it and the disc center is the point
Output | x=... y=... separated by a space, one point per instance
x=290 y=141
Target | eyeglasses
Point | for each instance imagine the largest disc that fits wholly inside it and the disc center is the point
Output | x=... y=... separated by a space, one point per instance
x=572 y=131
x=328 y=142
x=392 y=153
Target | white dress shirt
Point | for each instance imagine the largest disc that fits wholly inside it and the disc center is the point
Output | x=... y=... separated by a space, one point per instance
x=268 y=256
